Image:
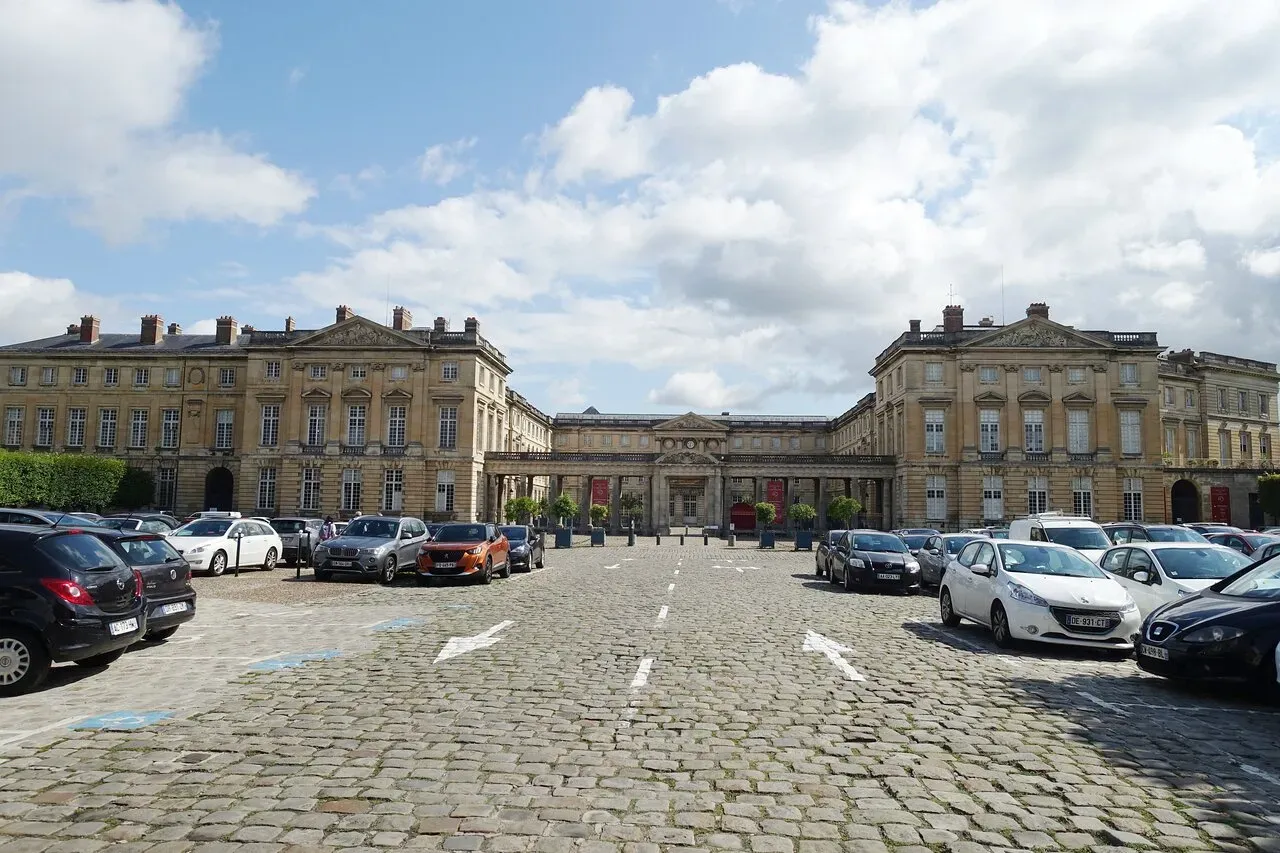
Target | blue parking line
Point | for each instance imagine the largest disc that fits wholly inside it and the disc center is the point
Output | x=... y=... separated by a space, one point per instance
x=122 y=720
x=294 y=660
x=456 y=606
x=396 y=624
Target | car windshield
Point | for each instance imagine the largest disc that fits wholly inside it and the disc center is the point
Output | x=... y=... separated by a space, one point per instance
x=1211 y=561
x=920 y=531
x=914 y=541
x=63 y=519
x=1174 y=534
x=120 y=523
x=833 y=536
x=207 y=527
x=288 y=525
x=955 y=543
x=881 y=542
x=1258 y=540
x=148 y=552
x=515 y=534
x=1086 y=538
x=999 y=534
x=371 y=528
x=461 y=533
x=79 y=551
x=1020 y=558
x=1262 y=582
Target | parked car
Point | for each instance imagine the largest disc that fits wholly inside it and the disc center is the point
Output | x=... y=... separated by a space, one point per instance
x=915 y=541
x=64 y=596
x=213 y=544
x=44 y=517
x=527 y=547
x=88 y=516
x=372 y=546
x=1228 y=631
x=166 y=578
x=1245 y=543
x=433 y=527
x=826 y=547
x=870 y=559
x=1206 y=527
x=1075 y=531
x=295 y=532
x=148 y=522
x=1122 y=532
x=915 y=531
x=465 y=550
x=989 y=532
x=938 y=552
x=1156 y=573
x=1038 y=591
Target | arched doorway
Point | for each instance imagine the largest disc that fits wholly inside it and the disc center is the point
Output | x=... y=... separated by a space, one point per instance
x=1184 y=502
x=219 y=489
x=743 y=517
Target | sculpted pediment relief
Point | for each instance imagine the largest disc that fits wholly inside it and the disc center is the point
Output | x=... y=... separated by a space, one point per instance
x=690 y=422
x=357 y=394
x=316 y=394
x=358 y=333
x=1034 y=397
x=1078 y=398
x=397 y=394
x=1034 y=333
x=990 y=397
x=686 y=457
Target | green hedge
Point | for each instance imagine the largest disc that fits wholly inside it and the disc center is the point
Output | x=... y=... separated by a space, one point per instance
x=64 y=481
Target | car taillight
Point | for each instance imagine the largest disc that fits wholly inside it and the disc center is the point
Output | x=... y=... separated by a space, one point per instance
x=69 y=591
x=137 y=583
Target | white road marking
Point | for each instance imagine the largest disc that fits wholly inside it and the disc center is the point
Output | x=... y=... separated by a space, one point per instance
x=1009 y=661
x=193 y=638
x=642 y=674
x=614 y=566
x=677 y=573
x=537 y=571
x=671 y=587
x=662 y=614
x=1101 y=704
x=741 y=570
x=268 y=657
x=1261 y=774
x=834 y=652
x=628 y=559
x=61 y=724
x=461 y=645
x=679 y=562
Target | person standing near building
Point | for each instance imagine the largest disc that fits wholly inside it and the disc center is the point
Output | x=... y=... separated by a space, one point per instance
x=326 y=530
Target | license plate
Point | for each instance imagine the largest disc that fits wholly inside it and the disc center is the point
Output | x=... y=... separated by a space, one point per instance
x=887 y=576
x=1154 y=652
x=445 y=565
x=339 y=562
x=123 y=627
x=170 y=609
x=1088 y=621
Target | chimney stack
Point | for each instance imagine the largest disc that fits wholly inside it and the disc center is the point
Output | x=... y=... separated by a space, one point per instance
x=175 y=329
x=73 y=329
x=1038 y=309
x=442 y=325
x=401 y=319
x=915 y=326
x=247 y=329
x=289 y=324
x=344 y=313
x=152 y=329
x=88 y=329
x=986 y=322
x=471 y=326
x=953 y=319
x=227 y=329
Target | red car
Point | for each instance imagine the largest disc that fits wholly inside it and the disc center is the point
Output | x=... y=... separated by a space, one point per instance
x=474 y=550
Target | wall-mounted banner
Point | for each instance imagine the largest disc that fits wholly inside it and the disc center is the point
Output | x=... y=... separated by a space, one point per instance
x=600 y=492
x=775 y=494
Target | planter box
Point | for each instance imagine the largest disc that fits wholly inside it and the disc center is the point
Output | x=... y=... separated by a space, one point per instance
x=804 y=540
x=564 y=537
x=597 y=536
x=767 y=539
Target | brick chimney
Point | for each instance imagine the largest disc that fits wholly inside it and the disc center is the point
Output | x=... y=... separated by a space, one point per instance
x=289 y=324
x=1038 y=309
x=344 y=313
x=471 y=326
x=152 y=329
x=953 y=319
x=74 y=329
x=442 y=325
x=175 y=329
x=247 y=329
x=986 y=322
x=915 y=326
x=401 y=319
x=227 y=330
x=89 y=329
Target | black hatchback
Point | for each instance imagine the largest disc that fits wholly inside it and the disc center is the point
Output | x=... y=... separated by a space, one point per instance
x=64 y=596
x=166 y=578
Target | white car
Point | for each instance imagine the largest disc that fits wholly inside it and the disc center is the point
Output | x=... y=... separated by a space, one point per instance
x=1037 y=591
x=1155 y=573
x=210 y=544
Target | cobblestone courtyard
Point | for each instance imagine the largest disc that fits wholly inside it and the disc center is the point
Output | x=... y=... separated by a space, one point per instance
x=624 y=700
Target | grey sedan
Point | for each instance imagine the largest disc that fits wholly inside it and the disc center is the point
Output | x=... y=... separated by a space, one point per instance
x=937 y=551
x=372 y=546
x=822 y=560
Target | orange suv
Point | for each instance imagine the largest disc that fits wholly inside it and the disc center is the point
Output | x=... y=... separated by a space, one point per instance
x=465 y=551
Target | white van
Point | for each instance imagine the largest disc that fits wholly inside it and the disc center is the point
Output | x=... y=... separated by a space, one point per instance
x=1075 y=531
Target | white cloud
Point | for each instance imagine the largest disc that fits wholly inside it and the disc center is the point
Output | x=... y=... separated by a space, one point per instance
x=296 y=76
x=565 y=393
x=354 y=185
x=42 y=307
x=93 y=92
x=202 y=327
x=1264 y=263
x=702 y=389
x=1166 y=257
x=443 y=163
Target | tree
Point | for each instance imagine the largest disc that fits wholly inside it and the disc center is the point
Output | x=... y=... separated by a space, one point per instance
x=843 y=509
x=766 y=513
x=137 y=489
x=631 y=505
x=802 y=514
x=564 y=507
x=599 y=514
x=1269 y=494
x=520 y=510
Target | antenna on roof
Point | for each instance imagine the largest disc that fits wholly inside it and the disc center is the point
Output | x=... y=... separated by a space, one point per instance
x=387 y=320
x=951 y=294
x=1002 y=317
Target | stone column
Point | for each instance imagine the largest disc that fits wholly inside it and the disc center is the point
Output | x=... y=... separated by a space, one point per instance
x=528 y=485
x=820 y=493
x=584 y=507
x=615 y=504
x=553 y=492
x=651 y=504
x=664 y=504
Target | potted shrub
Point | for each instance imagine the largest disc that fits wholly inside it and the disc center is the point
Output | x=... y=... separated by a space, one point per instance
x=564 y=507
x=599 y=515
x=520 y=510
x=843 y=509
x=765 y=514
x=803 y=515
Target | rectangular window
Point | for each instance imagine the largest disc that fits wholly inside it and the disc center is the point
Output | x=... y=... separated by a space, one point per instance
x=272 y=370
x=1189 y=400
x=359 y=371
x=76 y=419
x=992 y=498
x=17 y=376
x=1222 y=399
x=1031 y=374
x=48 y=376
x=1033 y=431
x=170 y=419
x=111 y=377
x=1082 y=496
x=310 y=489
x=935 y=497
x=1242 y=402
x=352 y=487
x=1168 y=396
x=1129 y=373
x=989 y=431
x=1244 y=444
x=1264 y=445
x=1037 y=494
x=139 y=421
x=448 y=427
x=1075 y=374
x=266 y=488
x=775 y=443
x=1078 y=431
x=586 y=439
x=270 y=427
x=108 y=422
x=319 y=371
x=644 y=441
x=317 y=425
x=226 y=376
x=444 y=491
x=356 y=415
x=988 y=375
x=44 y=426
x=794 y=443
x=449 y=371
x=13 y=422
x=1193 y=443
x=397 y=425
x=933 y=371
x=393 y=490
x=80 y=376
x=167 y=487
x=820 y=443
x=141 y=377
x=757 y=443
x=1170 y=440
x=1130 y=432
x=1264 y=406
x=606 y=441
x=1133 y=499
x=1224 y=446
x=625 y=441
x=172 y=377
x=224 y=429
x=399 y=372
x=934 y=437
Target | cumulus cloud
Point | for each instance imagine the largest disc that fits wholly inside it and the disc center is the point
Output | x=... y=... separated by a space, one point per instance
x=702 y=389
x=1264 y=263
x=443 y=163
x=94 y=90
x=353 y=185
x=38 y=307
x=566 y=393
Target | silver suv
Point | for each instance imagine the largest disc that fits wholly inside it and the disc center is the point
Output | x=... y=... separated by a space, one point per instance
x=372 y=546
x=297 y=534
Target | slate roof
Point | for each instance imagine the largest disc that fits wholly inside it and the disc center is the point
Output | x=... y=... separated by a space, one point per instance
x=109 y=342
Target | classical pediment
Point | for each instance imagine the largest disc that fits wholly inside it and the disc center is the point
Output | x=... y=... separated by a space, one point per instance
x=316 y=394
x=690 y=422
x=357 y=394
x=359 y=333
x=1034 y=396
x=686 y=457
x=1035 y=333
x=990 y=397
x=1078 y=398
x=397 y=394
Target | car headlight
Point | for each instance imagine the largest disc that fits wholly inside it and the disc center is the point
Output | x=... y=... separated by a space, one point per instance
x=370 y=552
x=1213 y=634
x=912 y=566
x=1018 y=592
x=856 y=563
x=519 y=549
x=199 y=549
x=1131 y=607
x=478 y=550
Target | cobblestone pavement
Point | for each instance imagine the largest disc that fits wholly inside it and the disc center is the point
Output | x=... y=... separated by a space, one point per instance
x=625 y=700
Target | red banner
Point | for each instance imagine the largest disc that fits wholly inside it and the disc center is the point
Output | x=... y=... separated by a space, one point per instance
x=774 y=494
x=600 y=492
x=1220 y=504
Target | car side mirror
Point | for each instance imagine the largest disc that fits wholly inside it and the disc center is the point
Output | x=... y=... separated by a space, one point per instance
x=1142 y=577
x=981 y=569
x=406 y=534
x=934 y=551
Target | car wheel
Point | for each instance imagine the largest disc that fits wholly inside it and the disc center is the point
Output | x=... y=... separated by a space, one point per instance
x=388 y=574
x=486 y=574
x=104 y=659
x=949 y=616
x=831 y=573
x=23 y=662
x=539 y=563
x=1000 y=627
x=848 y=580
x=218 y=565
x=270 y=562
x=817 y=567
x=161 y=634
x=506 y=569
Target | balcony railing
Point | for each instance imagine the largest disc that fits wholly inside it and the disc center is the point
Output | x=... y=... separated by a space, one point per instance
x=991 y=455
x=313 y=450
x=393 y=450
x=1082 y=458
x=353 y=450
x=1037 y=456
x=808 y=459
x=564 y=456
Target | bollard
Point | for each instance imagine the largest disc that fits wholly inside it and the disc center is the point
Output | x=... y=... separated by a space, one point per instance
x=733 y=536
x=681 y=538
x=658 y=538
x=631 y=538
x=239 y=536
x=706 y=540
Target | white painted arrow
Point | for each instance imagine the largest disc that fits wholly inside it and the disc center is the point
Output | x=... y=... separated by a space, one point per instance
x=815 y=642
x=461 y=645
x=614 y=566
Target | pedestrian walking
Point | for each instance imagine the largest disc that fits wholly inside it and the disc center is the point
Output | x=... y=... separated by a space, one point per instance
x=326 y=531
